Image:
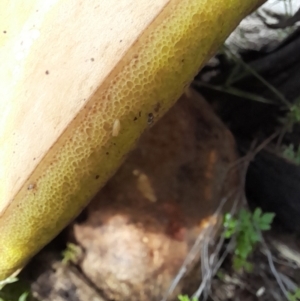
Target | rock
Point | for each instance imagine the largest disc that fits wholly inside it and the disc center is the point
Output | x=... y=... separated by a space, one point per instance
x=138 y=230
x=253 y=33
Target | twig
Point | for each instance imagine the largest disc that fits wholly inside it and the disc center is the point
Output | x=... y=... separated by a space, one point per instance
x=235 y=92
x=284 y=22
x=184 y=268
x=282 y=262
x=271 y=264
x=259 y=77
x=209 y=265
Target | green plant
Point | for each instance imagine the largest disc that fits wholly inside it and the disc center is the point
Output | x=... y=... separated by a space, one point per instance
x=246 y=229
x=71 y=254
x=294 y=296
x=186 y=298
x=294 y=113
x=292 y=153
x=15 y=290
x=22 y=297
x=221 y=275
x=8 y=280
x=292 y=116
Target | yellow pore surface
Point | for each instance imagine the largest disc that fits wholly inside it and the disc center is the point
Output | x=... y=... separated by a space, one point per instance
x=149 y=79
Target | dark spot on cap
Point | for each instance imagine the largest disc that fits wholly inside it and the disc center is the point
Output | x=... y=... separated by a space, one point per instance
x=121 y=41
x=97 y=177
x=107 y=153
x=150 y=118
x=47 y=72
x=135 y=119
x=92 y=59
x=4 y=31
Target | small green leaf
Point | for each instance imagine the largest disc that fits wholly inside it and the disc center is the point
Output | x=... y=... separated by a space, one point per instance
x=71 y=254
x=246 y=229
x=186 y=298
x=257 y=214
x=244 y=216
x=254 y=237
x=24 y=296
x=264 y=227
x=238 y=263
x=221 y=275
x=248 y=266
x=294 y=296
x=8 y=280
x=297 y=293
x=227 y=217
x=267 y=218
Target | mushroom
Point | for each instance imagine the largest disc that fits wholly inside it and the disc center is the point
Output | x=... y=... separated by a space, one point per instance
x=80 y=81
